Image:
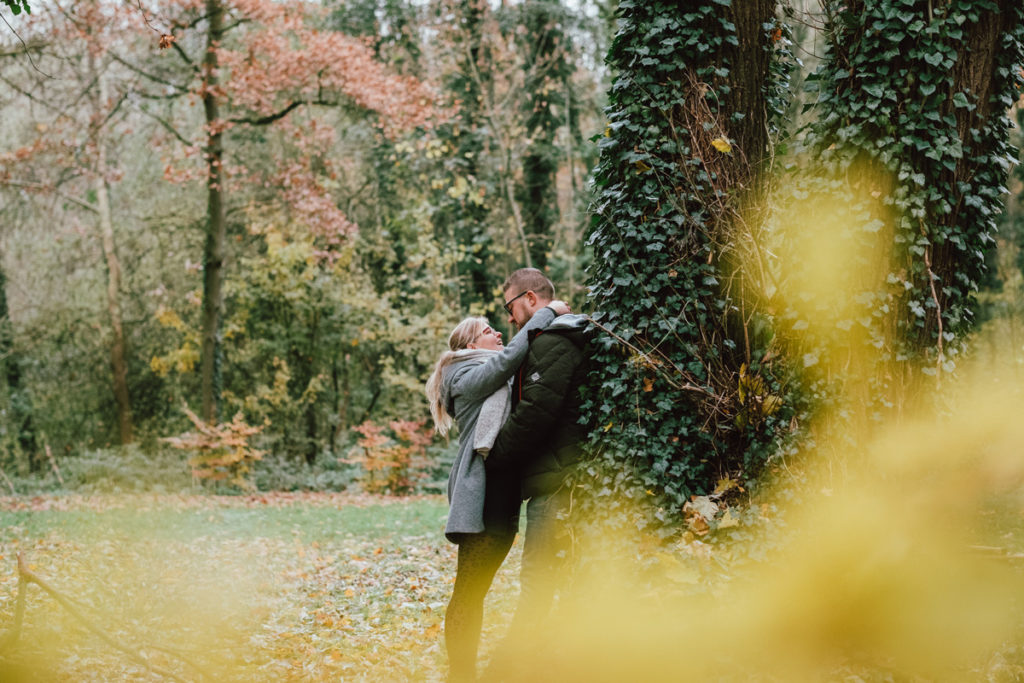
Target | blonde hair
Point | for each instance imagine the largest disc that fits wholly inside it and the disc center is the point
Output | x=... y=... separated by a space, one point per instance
x=464 y=334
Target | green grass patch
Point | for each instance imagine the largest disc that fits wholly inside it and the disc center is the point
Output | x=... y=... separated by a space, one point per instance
x=308 y=523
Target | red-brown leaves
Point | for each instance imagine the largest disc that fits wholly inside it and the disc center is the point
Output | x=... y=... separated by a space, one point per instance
x=283 y=59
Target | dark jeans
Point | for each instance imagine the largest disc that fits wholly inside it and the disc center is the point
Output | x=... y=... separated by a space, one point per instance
x=545 y=557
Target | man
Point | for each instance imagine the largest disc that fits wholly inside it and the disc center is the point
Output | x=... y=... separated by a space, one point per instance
x=541 y=441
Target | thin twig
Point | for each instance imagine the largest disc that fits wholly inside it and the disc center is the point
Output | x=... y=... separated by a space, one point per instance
x=27 y=53
x=689 y=386
x=938 y=306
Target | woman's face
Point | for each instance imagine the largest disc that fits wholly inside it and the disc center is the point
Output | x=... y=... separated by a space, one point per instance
x=487 y=339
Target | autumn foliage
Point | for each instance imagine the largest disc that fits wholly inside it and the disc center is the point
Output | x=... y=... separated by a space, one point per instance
x=220 y=452
x=393 y=457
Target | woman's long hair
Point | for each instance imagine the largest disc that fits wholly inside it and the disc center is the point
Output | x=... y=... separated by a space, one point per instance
x=464 y=334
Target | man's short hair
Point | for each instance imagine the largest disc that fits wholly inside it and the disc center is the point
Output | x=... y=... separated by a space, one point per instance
x=530 y=279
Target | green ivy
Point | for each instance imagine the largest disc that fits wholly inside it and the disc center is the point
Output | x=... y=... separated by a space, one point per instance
x=18 y=6
x=912 y=137
x=684 y=388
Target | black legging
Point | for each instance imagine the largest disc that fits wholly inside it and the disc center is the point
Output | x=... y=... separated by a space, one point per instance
x=480 y=555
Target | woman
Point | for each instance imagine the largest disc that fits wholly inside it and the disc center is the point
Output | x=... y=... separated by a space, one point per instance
x=471 y=382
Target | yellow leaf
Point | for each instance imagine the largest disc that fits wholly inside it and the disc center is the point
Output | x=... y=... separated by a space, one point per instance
x=648 y=383
x=728 y=520
x=722 y=145
x=725 y=485
x=349 y=593
x=608 y=426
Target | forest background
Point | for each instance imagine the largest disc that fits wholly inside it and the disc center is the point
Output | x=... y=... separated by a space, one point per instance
x=276 y=235
x=385 y=164
x=235 y=235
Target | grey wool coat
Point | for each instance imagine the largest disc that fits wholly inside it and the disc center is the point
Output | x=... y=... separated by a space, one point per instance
x=465 y=385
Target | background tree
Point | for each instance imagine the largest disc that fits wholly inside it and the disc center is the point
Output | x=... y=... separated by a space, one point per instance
x=310 y=67
x=78 y=103
x=910 y=151
x=549 y=106
x=19 y=434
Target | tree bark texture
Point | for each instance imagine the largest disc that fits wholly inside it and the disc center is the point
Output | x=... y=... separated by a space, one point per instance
x=213 y=257
x=118 y=353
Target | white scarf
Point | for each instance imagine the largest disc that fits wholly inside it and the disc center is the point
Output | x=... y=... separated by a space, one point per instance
x=494 y=410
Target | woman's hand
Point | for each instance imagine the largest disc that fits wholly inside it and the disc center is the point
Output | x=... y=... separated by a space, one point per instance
x=560 y=307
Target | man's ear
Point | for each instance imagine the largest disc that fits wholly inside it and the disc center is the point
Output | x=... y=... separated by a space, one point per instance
x=531 y=298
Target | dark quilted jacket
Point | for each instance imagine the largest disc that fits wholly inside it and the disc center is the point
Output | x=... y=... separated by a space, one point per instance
x=541 y=439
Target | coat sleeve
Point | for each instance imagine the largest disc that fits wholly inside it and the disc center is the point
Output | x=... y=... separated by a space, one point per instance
x=478 y=381
x=550 y=369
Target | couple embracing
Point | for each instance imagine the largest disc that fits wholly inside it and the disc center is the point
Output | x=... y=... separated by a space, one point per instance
x=517 y=409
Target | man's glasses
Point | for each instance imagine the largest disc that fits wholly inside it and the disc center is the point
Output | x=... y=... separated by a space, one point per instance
x=508 y=304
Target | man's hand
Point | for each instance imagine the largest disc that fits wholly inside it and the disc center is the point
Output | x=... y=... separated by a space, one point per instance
x=559 y=307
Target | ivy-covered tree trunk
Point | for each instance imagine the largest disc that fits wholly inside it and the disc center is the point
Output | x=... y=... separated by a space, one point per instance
x=684 y=389
x=913 y=137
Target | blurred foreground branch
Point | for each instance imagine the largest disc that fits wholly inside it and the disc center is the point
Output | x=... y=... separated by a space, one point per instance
x=26 y=576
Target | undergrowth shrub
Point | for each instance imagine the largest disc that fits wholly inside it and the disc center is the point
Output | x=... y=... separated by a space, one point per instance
x=286 y=473
x=393 y=457
x=220 y=453
x=126 y=469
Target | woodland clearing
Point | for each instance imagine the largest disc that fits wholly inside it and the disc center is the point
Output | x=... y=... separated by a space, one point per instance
x=265 y=587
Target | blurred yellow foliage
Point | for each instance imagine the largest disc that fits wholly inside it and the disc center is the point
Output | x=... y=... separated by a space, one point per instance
x=168 y=318
x=889 y=576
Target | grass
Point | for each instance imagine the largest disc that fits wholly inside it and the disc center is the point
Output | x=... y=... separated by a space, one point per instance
x=318 y=587
x=311 y=523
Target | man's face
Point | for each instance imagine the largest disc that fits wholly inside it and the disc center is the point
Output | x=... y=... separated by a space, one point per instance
x=520 y=306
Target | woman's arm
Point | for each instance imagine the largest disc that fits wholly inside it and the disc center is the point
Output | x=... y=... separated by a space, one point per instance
x=478 y=381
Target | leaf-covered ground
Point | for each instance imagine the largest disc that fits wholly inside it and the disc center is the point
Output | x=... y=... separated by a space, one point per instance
x=872 y=583
x=277 y=587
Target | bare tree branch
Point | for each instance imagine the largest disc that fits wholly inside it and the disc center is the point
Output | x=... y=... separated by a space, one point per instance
x=24 y=45
x=42 y=187
x=167 y=126
x=27 y=576
x=270 y=118
x=155 y=79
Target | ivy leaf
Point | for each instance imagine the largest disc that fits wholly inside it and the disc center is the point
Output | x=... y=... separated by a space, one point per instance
x=722 y=145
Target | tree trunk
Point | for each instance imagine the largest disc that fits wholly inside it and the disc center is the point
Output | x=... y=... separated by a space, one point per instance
x=678 y=193
x=917 y=141
x=118 y=364
x=546 y=64
x=213 y=257
x=20 y=412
